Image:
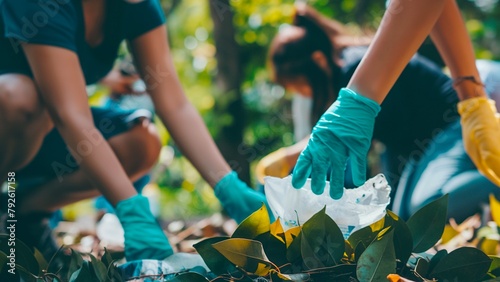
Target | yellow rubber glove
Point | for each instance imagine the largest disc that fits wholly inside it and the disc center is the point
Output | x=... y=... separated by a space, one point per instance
x=481 y=133
x=274 y=164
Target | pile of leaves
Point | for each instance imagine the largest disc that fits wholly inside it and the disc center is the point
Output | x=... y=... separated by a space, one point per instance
x=388 y=250
x=317 y=251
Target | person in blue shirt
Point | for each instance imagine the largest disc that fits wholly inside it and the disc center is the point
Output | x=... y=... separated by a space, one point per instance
x=418 y=123
x=49 y=51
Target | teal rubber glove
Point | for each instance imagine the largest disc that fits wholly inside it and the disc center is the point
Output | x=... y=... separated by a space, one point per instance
x=239 y=200
x=144 y=238
x=344 y=131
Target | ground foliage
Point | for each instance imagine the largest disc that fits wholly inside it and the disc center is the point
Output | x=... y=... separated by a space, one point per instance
x=315 y=251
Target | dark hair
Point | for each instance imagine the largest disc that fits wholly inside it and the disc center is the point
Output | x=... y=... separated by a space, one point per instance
x=293 y=58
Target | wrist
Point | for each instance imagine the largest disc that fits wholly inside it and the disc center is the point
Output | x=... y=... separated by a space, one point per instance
x=226 y=180
x=352 y=98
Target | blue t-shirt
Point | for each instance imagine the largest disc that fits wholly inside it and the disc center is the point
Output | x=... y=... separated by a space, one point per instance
x=61 y=23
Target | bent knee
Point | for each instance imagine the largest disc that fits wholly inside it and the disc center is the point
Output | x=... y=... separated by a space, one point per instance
x=20 y=102
x=151 y=143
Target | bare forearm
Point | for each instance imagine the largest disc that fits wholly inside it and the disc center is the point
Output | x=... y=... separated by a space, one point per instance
x=404 y=27
x=191 y=135
x=454 y=45
x=61 y=83
x=97 y=160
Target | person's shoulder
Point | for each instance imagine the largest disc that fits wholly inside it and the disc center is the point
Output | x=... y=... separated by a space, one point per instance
x=51 y=7
x=51 y=22
x=39 y=13
x=142 y=16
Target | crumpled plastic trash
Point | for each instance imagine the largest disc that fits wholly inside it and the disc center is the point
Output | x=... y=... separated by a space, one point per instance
x=358 y=207
x=151 y=270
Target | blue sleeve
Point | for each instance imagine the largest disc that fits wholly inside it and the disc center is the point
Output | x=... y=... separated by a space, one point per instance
x=143 y=17
x=46 y=22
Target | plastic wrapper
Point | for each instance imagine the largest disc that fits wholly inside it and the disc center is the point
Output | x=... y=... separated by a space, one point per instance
x=153 y=270
x=358 y=207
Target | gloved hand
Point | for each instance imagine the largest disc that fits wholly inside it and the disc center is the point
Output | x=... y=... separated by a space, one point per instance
x=239 y=200
x=144 y=238
x=345 y=130
x=274 y=164
x=481 y=134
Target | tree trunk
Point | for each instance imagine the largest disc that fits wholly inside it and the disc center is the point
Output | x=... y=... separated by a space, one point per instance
x=228 y=81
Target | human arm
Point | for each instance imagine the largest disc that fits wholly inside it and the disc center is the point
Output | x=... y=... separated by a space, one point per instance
x=152 y=57
x=336 y=138
x=479 y=117
x=404 y=27
x=60 y=80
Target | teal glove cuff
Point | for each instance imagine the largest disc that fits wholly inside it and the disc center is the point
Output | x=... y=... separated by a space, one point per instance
x=231 y=177
x=239 y=200
x=347 y=94
x=144 y=239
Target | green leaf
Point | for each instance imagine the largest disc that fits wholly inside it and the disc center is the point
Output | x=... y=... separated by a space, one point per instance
x=379 y=259
x=189 y=277
x=254 y=225
x=99 y=269
x=245 y=253
x=436 y=259
x=42 y=262
x=111 y=269
x=106 y=258
x=215 y=261
x=3 y=260
x=293 y=253
x=334 y=273
x=368 y=233
x=75 y=263
x=422 y=267
x=403 y=242
x=26 y=275
x=358 y=251
x=495 y=265
x=427 y=224
x=322 y=242
x=463 y=264
x=83 y=274
x=274 y=247
x=24 y=255
x=364 y=235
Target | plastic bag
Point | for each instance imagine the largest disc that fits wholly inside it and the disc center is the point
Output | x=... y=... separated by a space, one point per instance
x=358 y=207
x=164 y=270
